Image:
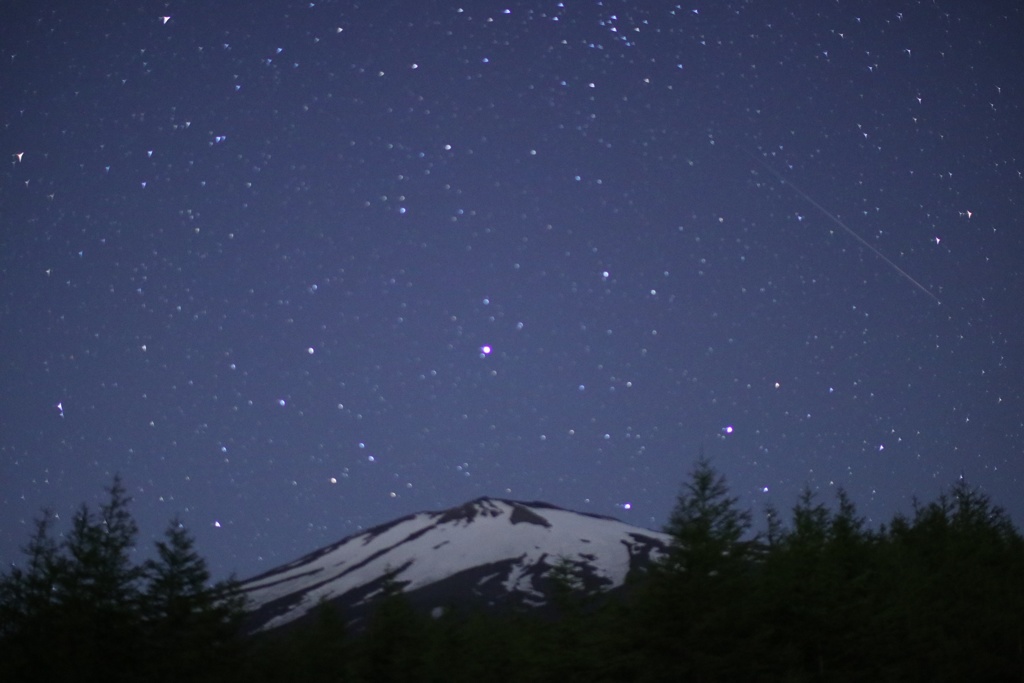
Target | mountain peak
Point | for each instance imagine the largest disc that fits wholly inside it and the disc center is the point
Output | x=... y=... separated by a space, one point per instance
x=494 y=507
x=488 y=551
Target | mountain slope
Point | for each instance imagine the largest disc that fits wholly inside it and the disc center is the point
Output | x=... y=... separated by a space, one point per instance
x=487 y=552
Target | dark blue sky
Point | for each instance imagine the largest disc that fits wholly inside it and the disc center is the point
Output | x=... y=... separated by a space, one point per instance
x=300 y=268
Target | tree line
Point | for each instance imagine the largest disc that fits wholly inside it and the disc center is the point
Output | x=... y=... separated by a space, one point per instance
x=815 y=595
x=81 y=610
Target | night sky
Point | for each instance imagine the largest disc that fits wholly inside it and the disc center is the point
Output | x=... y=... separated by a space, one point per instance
x=296 y=269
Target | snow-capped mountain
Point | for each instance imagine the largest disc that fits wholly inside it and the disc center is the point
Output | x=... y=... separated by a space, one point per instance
x=487 y=552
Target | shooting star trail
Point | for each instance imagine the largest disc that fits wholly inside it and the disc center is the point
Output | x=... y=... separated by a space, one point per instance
x=843 y=225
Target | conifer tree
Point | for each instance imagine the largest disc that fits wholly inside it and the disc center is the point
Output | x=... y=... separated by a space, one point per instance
x=706 y=524
x=101 y=571
x=956 y=589
x=99 y=624
x=392 y=648
x=695 y=605
x=191 y=623
x=78 y=598
x=567 y=586
x=814 y=589
x=76 y=610
x=28 y=603
x=29 y=591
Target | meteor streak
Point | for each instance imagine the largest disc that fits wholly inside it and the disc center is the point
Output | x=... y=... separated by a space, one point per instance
x=845 y=227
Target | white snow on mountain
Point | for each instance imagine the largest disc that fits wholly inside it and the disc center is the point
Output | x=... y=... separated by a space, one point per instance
x=484 y=546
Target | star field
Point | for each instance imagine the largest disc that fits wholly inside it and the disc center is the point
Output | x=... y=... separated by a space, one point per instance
x=301 y=268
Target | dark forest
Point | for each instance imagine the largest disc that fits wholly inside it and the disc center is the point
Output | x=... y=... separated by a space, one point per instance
x=813 y=594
